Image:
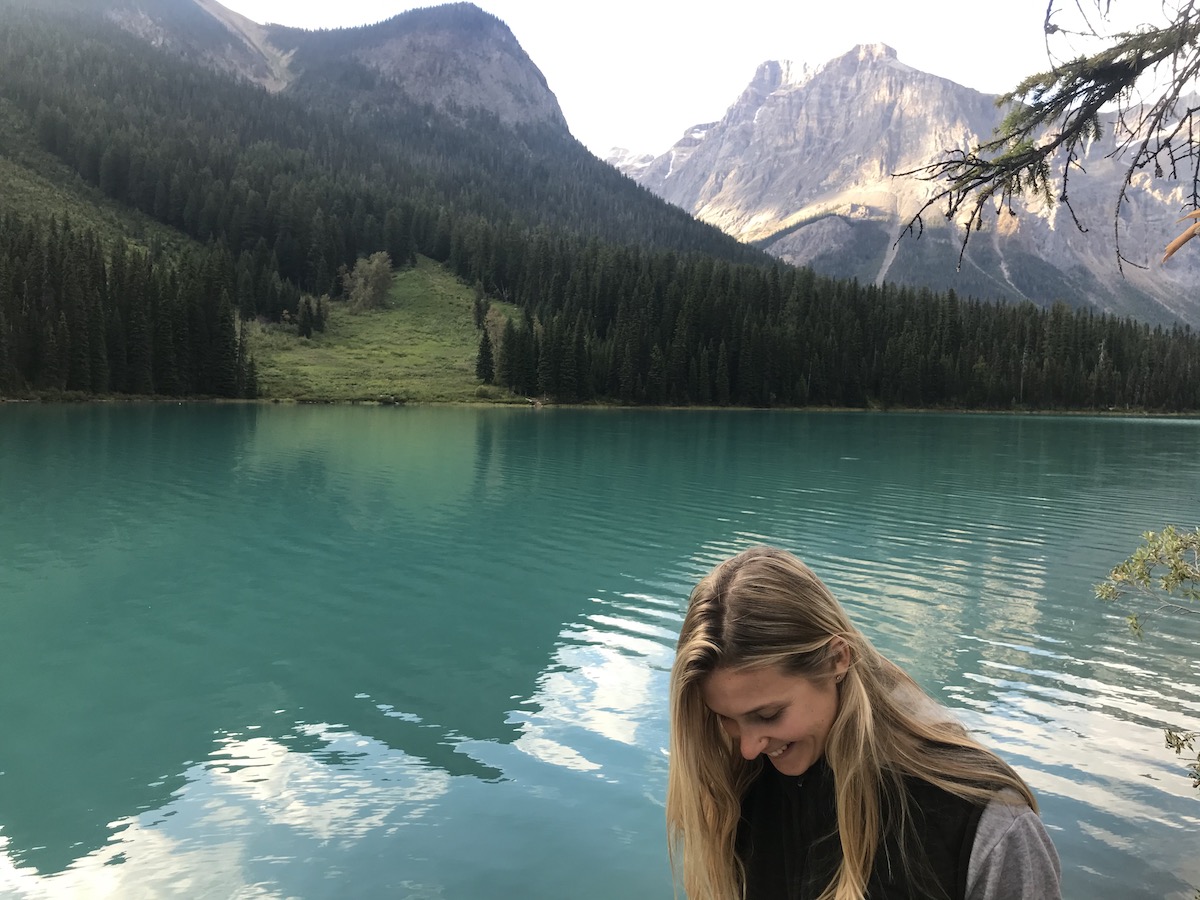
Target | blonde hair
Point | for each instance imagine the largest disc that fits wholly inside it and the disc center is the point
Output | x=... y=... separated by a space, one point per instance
x=764 y=608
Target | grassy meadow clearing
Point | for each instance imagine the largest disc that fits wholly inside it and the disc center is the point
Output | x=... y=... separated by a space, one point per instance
x=420 y=348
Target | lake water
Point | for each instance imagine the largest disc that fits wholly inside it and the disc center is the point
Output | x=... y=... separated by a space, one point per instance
x=319 y=652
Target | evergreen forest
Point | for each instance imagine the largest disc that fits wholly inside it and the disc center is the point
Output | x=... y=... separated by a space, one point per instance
x=621 y=297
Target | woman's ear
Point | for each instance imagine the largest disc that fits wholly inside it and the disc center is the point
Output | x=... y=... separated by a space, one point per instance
x=839 y=654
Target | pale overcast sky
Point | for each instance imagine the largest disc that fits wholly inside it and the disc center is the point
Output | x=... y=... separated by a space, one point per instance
x=637 y=73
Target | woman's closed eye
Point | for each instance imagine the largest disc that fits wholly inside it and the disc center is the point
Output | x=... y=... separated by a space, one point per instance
x=768 y=717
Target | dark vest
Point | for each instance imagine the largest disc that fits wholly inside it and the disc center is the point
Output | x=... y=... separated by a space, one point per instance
x=787 y=840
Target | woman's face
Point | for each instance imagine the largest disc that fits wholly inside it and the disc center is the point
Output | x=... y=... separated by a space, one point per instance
x=785 y=717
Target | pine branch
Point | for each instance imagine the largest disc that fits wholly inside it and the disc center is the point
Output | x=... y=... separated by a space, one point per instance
x=1056 y=113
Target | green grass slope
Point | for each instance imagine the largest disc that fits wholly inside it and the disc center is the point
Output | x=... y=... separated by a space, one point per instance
x=33 y=183
x=421 y=349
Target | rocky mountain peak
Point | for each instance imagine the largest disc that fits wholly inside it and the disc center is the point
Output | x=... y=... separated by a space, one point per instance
x=872 y=53
x=803 y=164
x=870 y=61
x=459 y=56
x=778 y=73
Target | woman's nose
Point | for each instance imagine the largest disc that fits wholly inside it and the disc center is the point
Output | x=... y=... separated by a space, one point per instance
x=752 y=744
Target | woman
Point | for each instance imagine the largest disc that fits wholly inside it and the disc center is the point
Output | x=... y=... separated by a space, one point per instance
x=806 y=766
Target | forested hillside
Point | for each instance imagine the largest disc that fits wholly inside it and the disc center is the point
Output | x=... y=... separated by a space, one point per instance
x=647 y=328
x=623 y=297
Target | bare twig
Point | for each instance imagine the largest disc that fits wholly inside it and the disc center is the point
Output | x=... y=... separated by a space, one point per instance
x=1053 y=115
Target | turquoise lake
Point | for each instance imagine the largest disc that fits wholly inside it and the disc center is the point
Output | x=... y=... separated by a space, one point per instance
x=340 y=652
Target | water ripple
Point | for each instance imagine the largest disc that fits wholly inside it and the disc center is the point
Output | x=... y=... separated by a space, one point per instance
x=331 y=647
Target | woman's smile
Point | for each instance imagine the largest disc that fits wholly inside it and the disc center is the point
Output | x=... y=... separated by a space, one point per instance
x=767 y=712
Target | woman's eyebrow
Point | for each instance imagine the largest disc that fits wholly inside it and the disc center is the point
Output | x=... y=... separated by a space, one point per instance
x=752 y=712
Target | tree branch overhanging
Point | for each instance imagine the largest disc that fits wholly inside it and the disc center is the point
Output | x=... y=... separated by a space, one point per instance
x=1053 y=116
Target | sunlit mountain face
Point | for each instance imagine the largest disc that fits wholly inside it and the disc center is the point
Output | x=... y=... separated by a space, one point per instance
x=804 y=164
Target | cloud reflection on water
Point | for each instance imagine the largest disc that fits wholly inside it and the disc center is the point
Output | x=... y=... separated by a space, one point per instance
x=607 y=681
x=253 y=806
x=291 y=814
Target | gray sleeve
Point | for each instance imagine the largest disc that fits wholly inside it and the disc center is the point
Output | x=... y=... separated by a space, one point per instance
x=1012 y=857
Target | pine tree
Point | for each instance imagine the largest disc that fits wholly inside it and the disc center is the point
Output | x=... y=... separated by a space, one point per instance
x=627 y=375
x=304 y=325
x=98 y=347
x=75 y=303
x=250 y=381
x=484 y=365
x=320 y=314
x=506 y=360
x=547 y=364
x=723 y=394
x=656 y=377
x=6 y=378
x=225 y=350
x=245 y=288
x=166 y=352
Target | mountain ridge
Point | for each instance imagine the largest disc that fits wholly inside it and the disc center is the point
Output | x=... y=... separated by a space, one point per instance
x=802 y=165
x=454 y=56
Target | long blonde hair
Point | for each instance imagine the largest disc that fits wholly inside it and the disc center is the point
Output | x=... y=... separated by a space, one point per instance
x=764 y=608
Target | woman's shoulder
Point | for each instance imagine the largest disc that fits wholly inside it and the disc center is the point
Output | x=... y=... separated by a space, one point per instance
x=1012 y=855
x=1005 y=812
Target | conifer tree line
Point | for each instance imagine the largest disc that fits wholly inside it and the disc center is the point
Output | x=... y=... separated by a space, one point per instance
x=661 y=329
x=621 y=296
x=74 y=317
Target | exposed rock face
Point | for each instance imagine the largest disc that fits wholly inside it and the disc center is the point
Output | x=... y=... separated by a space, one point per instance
x=455 y=57
x=628 y=161
x=796 y=139
x=459 y=56
x=206 y=32
x=802 y=163
x=256 y=58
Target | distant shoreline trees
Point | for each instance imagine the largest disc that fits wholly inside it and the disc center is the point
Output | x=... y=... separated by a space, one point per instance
x=681 y=331
x=75 y=319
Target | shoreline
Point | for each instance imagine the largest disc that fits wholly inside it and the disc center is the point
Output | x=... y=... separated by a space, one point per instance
x=71 y=399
